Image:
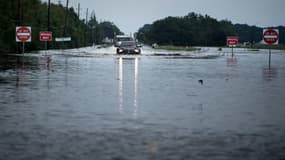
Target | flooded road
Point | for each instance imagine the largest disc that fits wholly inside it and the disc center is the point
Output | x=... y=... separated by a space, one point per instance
x=90 y=104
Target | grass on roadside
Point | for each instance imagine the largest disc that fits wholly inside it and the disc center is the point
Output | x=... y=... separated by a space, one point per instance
x=257 y=47
x=177 y=48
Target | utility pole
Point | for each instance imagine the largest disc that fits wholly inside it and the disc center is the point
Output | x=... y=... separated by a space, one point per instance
x=18 y=23
x=48 y=25
x=87 y=27
x=87 y=16
x=78 y=12
x=20 y=16
x=18 y=13
x=65 y=19
x=22 y=12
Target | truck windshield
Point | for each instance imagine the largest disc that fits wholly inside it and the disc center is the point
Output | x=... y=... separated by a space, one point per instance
x=128 y=43
x=124 y=39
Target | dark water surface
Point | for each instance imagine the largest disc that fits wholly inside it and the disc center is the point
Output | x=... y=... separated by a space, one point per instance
x=142 y=107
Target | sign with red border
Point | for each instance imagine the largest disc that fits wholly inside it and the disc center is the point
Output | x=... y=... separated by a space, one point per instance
x=23 y=34
x=271 y=36
x=45 y=36
x=232 y=41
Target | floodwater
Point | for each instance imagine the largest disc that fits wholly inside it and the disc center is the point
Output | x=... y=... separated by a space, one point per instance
x=91 y=104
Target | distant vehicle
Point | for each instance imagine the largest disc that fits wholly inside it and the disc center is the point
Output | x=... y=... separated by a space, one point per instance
x=120 y=38
x=128 y=47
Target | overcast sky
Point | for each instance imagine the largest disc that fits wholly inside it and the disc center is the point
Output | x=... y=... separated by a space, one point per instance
x=130 y=15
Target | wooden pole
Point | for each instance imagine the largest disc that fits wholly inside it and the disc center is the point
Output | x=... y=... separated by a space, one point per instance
x=65 y=19
x=87 y=16
x=48 y=25
x=78 y=11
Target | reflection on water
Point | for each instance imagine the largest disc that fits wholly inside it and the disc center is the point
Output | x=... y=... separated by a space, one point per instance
x=121 y=84
x=152 y=107
x=269 y=73
x=19 y=69
x=121 y=99
x=136 y=87
x=232 y=64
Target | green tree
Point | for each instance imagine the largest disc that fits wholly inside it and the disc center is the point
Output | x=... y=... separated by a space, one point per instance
x=192 y=29
x=34 y=13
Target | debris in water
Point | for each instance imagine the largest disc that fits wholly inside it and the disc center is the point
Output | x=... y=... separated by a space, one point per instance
x=201 y=81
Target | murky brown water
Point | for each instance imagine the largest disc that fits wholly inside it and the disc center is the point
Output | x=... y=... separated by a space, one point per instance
x=72 y=106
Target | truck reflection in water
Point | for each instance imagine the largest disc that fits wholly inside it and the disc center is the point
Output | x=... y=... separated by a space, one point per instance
x=121 y=85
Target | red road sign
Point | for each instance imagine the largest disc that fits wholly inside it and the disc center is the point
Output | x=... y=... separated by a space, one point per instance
x=232 y=41
x=271 y=36
x=23 y=34
x=45 y=36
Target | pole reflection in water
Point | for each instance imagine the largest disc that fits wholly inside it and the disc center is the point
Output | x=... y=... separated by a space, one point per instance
x=232 y=64
x=121 y=86
x=269 y=73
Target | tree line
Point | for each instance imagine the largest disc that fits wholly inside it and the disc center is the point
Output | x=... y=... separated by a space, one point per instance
x=64 y=22
x=199 y=30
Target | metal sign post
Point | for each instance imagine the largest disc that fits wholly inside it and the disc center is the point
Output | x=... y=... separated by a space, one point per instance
x=46 y=46
x=269 y=63
x=23 y=47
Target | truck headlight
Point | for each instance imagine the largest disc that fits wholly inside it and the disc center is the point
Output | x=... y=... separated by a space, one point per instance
x=120 y=50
